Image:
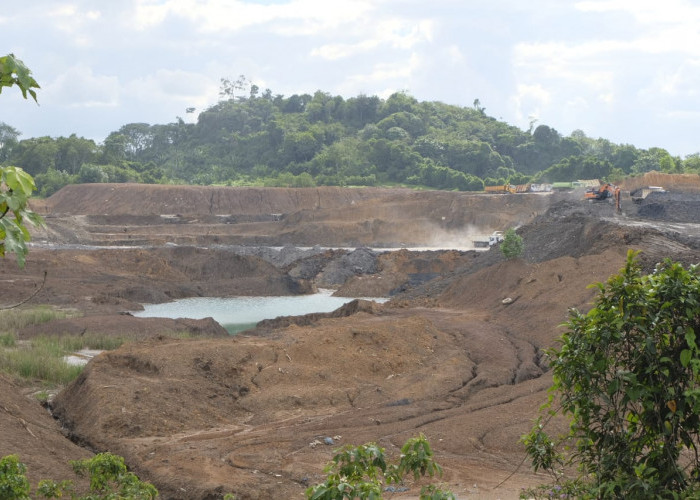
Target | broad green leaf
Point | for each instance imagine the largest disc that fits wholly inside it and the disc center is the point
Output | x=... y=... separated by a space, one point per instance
x=14 y=72
x=19 y=180
x=685 y=357
x=690 y=337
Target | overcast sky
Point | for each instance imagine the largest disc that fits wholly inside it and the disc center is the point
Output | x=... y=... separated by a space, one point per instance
x=625 y=70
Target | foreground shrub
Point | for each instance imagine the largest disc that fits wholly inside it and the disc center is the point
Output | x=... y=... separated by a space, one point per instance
x=361 y=472
x=109 y=479
x=628 y=375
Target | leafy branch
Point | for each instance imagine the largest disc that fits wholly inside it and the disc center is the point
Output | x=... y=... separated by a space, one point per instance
x=14 y=72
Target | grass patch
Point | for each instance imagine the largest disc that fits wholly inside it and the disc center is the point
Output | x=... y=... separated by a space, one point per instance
x=38 y=364
x=42 y=396
x=72 y=343
x=42 y=358
x=7 y=340
x=14 y=319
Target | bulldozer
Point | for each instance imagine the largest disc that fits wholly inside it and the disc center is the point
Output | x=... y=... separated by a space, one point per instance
x=603 y=193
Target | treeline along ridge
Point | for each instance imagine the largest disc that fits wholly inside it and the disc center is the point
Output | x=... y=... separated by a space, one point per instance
x=263 y=139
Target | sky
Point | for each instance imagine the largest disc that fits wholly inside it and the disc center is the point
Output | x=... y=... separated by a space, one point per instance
x=624 y=70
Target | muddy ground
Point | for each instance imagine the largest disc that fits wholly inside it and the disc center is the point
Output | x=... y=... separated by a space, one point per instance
x=251 y=414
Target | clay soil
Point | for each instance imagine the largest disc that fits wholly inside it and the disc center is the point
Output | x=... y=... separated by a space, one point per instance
x=251 y=414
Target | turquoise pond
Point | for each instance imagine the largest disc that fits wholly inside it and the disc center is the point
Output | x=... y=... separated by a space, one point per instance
x=239 y=313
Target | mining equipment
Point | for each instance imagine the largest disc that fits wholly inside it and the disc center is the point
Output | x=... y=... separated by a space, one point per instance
x=604 y=192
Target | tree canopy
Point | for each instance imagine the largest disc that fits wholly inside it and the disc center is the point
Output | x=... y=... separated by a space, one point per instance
x=251 y=137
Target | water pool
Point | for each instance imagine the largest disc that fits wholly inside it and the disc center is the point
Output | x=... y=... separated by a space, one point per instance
x=239 y=313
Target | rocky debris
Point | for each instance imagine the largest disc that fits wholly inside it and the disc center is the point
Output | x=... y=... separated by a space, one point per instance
x=356 y=262
x=280 y=257
x=670 y=207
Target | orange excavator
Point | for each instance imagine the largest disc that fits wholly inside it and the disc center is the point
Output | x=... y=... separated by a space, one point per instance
x=603 y=193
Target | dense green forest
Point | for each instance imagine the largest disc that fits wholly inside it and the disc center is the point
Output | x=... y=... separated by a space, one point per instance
x=261 y=139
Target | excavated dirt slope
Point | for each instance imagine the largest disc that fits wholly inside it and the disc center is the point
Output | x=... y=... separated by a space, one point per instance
x=123 y=214
x=251 y=414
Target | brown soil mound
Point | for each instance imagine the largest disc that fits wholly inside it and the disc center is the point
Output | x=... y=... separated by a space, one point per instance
x=672 y=182
x=127 y=327
x=116 y=280
x=29 y=432
x=244 y=414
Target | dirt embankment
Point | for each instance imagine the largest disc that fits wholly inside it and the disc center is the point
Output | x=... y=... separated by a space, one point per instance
x=250 y=414
x=123 y=214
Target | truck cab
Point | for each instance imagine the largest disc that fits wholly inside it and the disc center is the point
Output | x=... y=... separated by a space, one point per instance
x=495 y=238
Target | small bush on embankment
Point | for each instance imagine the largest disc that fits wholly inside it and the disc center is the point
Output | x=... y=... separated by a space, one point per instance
x=107 y=474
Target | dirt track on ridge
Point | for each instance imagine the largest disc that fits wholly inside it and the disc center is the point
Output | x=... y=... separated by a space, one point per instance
x=246 y=414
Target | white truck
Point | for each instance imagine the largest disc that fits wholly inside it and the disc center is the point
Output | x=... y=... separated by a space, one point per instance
x=495 y=238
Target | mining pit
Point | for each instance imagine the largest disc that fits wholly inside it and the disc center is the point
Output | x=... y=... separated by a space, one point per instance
x=456 y=353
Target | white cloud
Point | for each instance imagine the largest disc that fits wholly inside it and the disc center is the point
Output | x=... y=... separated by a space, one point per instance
x=79 y=87
x=73 y=21
x=529 y=100
x=393 y=75
x=307 y=16
x=187 y=89
x=650 y=64
x=406 y=34
x=650 y=12
x=333 y=52
x=568 y=70
x=454 y=54
x=398 y=34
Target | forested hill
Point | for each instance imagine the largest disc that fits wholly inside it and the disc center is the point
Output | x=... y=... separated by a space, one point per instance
x=305 y=140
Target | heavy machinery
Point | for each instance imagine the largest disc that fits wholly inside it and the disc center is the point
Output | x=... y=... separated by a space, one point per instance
x=640 y=194
x=503 y=189
x=495 y=238
x=508 y=189
x=603 y=193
